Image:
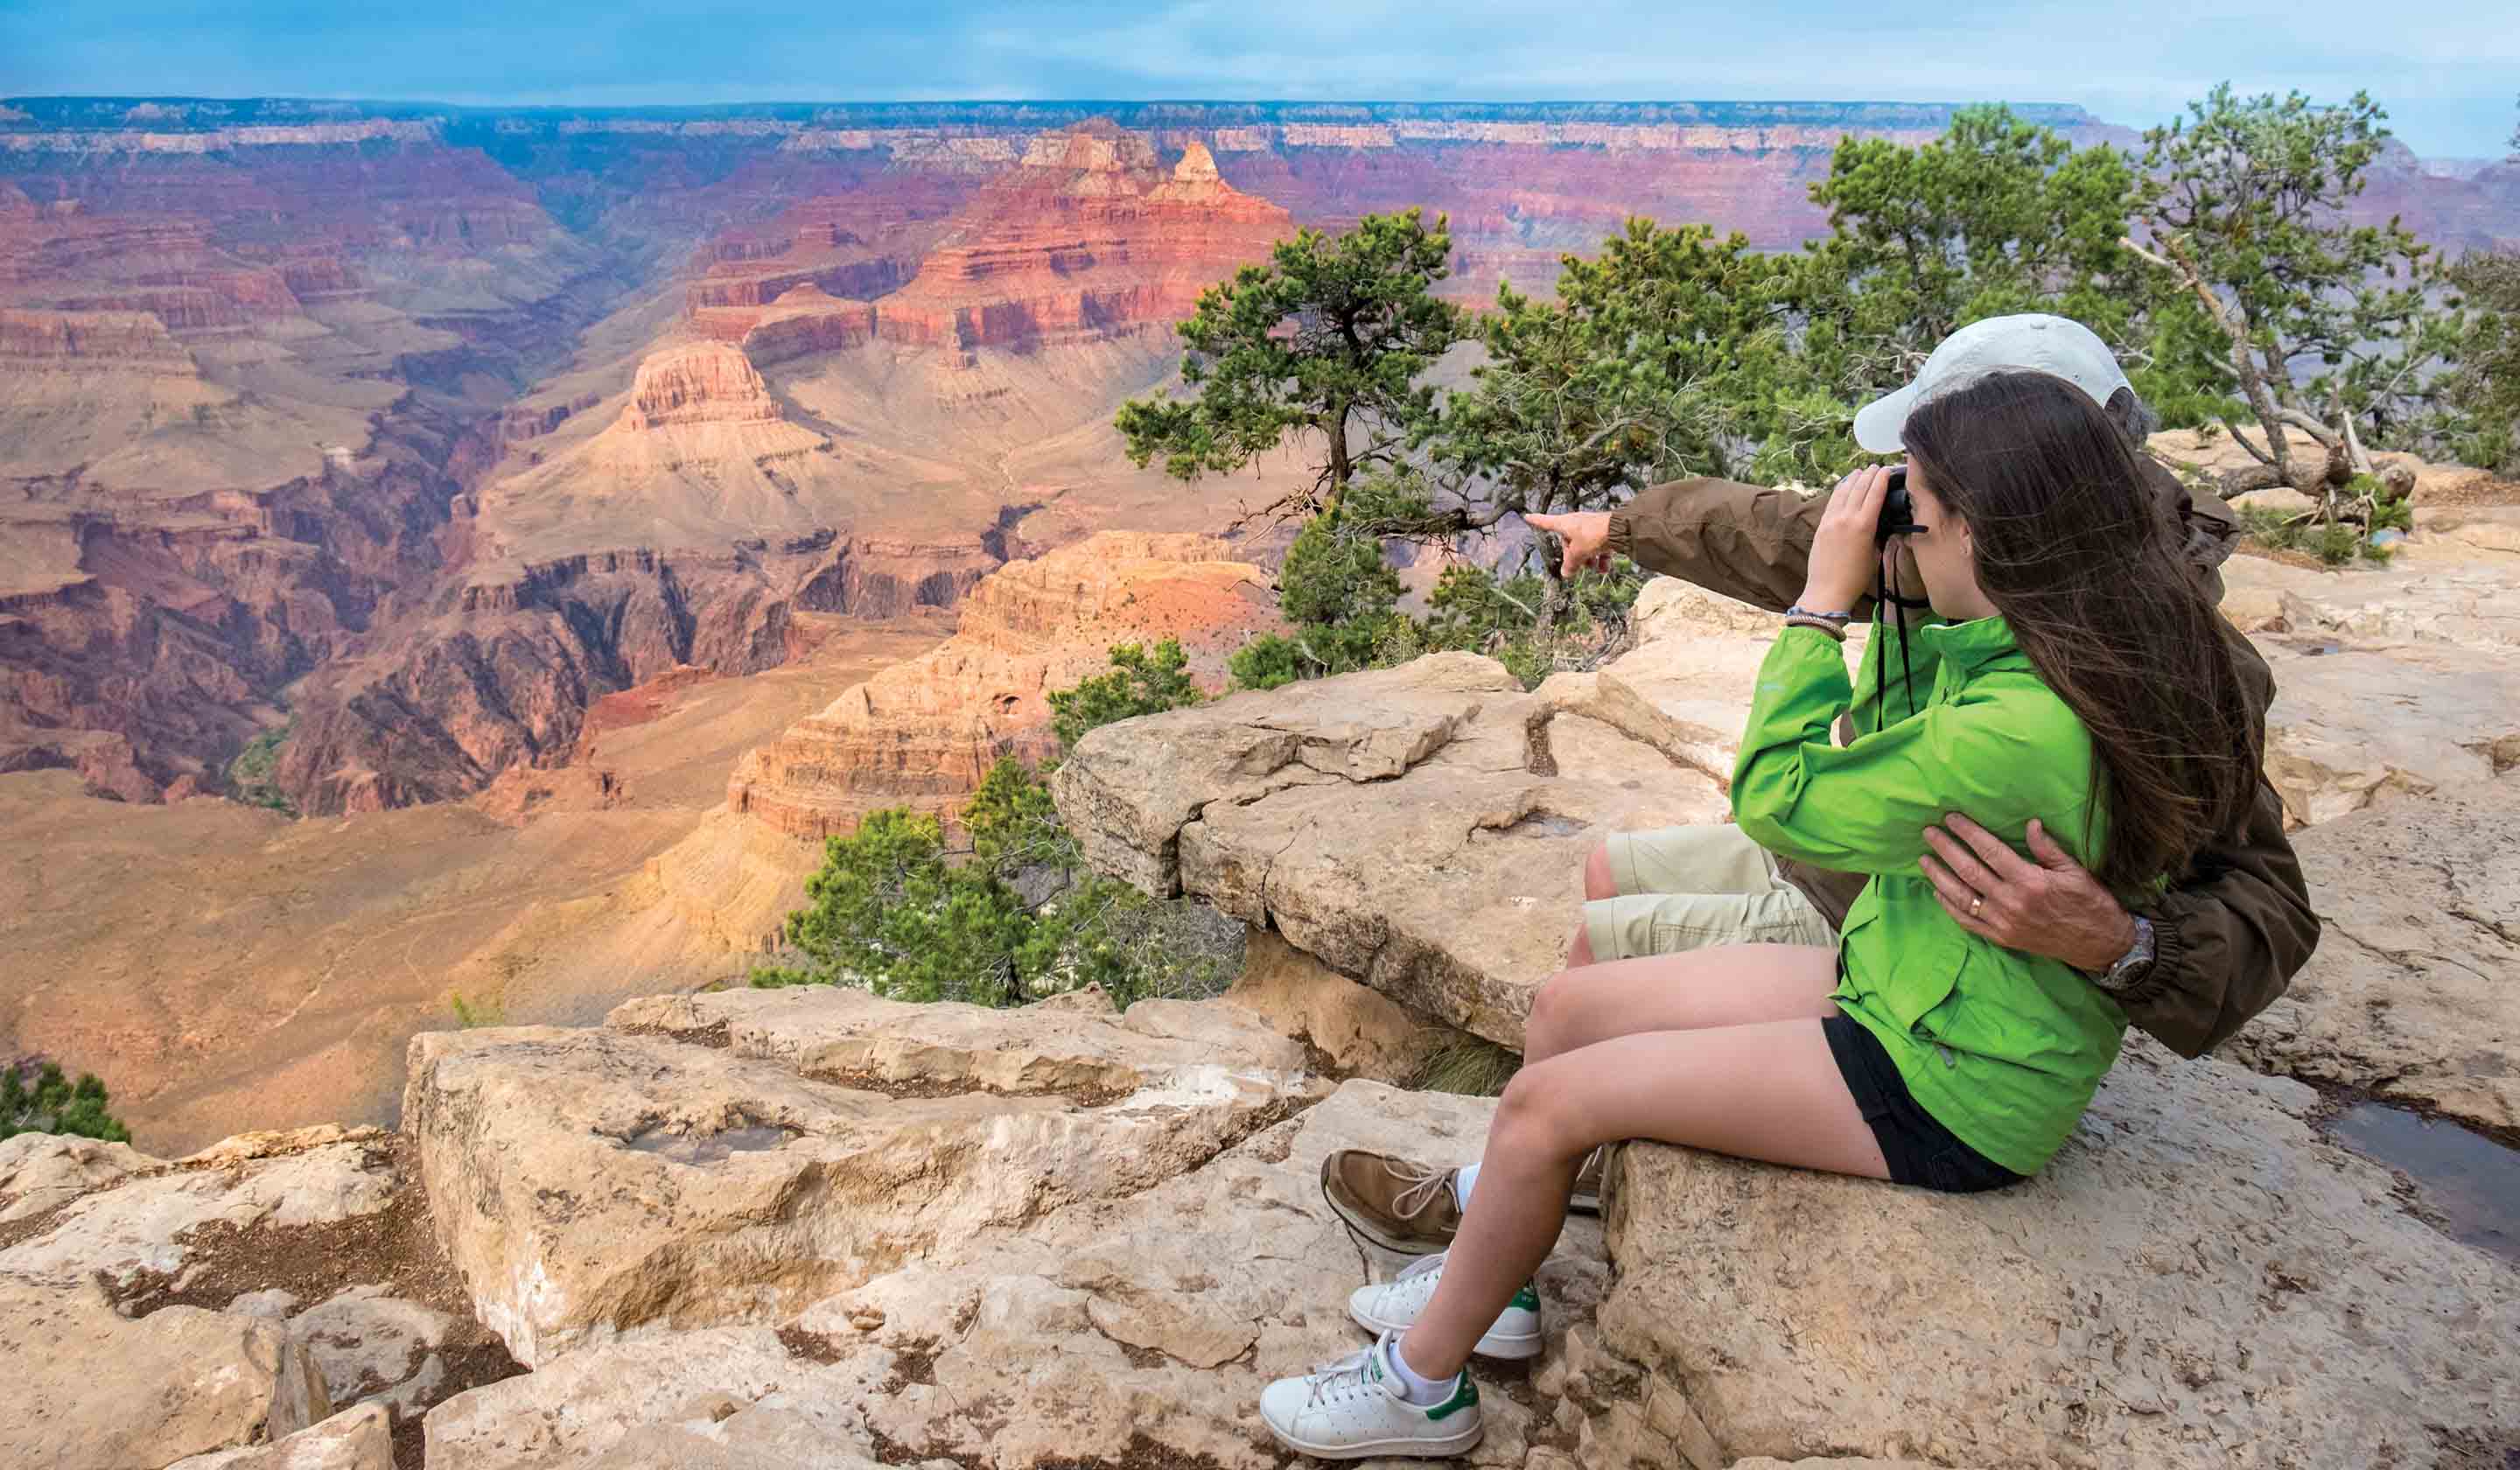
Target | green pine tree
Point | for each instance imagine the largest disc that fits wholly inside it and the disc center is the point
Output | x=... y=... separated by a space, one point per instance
x=37 y=1098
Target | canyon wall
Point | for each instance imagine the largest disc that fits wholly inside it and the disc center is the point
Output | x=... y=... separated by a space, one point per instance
x=921 y=734
x=411 y=429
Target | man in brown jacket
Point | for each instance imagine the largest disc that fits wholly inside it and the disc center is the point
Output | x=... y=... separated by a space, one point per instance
x=2190 y=967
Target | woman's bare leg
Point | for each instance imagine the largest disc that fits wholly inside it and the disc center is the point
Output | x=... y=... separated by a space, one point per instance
x=1767 y=1090
x=1731 y=985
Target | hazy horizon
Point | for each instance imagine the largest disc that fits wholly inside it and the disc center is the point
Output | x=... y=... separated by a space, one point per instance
x=2446 y=73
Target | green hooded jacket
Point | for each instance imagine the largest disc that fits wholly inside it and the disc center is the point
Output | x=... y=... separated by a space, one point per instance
x=2002 y=1048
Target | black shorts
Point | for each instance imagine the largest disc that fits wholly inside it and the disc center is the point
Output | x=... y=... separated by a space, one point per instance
x=1919 y=1151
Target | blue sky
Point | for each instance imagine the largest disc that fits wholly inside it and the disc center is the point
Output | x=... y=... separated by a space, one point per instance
x=2447 y=71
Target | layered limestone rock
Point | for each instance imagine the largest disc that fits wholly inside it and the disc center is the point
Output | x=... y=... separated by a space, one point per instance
x=1120 y=1330
x=704 y=383
x=1088 y=236
x=734 y=1158
x=40 y=1171
x=155 y=1225
x=1286 y=808
x=360 y=1439
x=90 y=1387
x=777 y=1227
x=922 y=734
x=225 y=1304
x=1283 y=809
x=100 y=341
x=2409 y=995
x=2388 y=682
x=804 y=320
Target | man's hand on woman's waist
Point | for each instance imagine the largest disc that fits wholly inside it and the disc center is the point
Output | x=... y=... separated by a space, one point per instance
x=2052 y=907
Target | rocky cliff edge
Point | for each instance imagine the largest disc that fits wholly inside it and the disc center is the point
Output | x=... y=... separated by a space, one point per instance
x=772 y=1228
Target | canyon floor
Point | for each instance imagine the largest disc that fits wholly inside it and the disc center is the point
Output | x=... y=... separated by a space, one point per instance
x=221 y=962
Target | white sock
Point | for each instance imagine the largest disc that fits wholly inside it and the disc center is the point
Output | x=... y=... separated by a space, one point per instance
x=1462 y=1179
x=1425 y=1392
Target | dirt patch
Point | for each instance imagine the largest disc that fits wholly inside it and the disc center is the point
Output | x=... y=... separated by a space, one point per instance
x=913 y=1361
x=2481 y=491
x=1142 y=1454
x=2250 y=545
x=924 y=1088
x=2477 y=1450
x=717 y=1038
x=394 y=1248
x=813 y=1346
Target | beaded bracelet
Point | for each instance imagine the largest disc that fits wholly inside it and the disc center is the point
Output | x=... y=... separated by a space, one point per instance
x=1833 y=629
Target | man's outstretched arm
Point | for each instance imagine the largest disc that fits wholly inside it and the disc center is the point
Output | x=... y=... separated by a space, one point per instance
x=1739 y=540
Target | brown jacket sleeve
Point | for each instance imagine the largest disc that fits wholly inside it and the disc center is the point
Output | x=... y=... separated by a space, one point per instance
x=2229 y=939
x=1738 y=539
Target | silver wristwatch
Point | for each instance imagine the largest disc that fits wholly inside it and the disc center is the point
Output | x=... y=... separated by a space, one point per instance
x=2131 y=967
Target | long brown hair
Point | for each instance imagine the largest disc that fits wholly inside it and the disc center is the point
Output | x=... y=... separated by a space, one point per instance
x=2082 y=559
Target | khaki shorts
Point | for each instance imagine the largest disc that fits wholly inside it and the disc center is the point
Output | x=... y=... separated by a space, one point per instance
x=1688 y=887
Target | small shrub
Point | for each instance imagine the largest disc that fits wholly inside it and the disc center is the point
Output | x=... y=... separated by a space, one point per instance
x=470 y=1015
x=249 y=774
x=36 y=1098
x=1471 y=1066
x=1020 y=916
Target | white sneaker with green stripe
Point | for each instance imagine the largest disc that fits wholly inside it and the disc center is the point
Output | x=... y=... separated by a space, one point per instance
x=1394 y=1305
x=1355 y=1410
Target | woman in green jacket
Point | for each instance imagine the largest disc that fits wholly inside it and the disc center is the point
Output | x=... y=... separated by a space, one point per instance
x=2080 y=671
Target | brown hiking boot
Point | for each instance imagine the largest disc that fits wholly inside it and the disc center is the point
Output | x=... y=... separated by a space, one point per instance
x=1398 y=1205
x=1587 y=1200
x=1412 y=1208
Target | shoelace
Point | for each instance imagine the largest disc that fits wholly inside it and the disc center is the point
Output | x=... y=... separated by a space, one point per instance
x=1419 y=1275
x=1339 y=1380
x=1412 y=1201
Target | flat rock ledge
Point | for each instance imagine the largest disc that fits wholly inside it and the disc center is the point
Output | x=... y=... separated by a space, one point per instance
x=2412 y=993
x=1420 y=829
x=734 y=1157
x=2199 y=1279
x=773 y=1228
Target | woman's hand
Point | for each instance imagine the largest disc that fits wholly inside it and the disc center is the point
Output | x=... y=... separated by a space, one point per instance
x=1844 y=555
x=1586 y=535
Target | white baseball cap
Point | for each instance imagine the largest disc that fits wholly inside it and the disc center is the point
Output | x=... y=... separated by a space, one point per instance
x=2058 y=346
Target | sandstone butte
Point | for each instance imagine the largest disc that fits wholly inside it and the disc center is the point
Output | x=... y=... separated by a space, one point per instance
x=764 y=1229
x=922 y=733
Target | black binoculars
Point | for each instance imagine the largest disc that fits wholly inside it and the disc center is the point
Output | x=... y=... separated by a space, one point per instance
x=1898 y=511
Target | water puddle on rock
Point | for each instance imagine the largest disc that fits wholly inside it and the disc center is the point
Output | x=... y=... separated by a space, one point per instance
x=2464 y=1178
x=1537 y=825
x=711 y=1148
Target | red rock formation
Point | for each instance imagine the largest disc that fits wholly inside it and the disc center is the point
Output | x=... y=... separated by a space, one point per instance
x=534 y=422
x=856 y=244
x=177 y=546
x=502 y=671
x=704 y=383
x=32 y=340
x=804 y=320
x=1087 y=237
x=922 y=734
